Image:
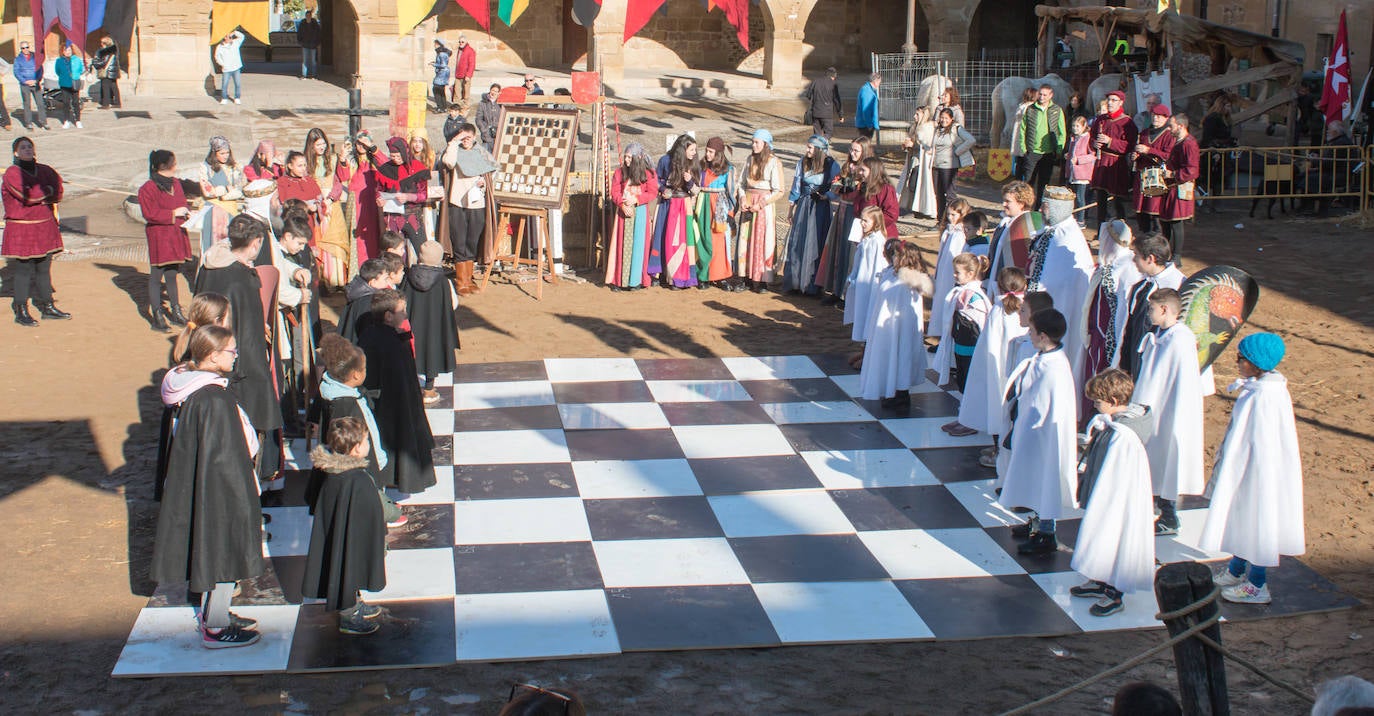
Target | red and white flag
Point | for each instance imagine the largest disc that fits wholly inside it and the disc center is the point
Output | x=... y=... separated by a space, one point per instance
x=1336 y=86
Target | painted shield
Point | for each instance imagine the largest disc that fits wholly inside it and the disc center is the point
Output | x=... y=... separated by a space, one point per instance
x=1021 y=230
x=1216 y=303
x=999 y=164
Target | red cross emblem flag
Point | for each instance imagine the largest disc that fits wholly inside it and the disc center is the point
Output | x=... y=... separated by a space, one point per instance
x=999 y=164
x=1336 y=87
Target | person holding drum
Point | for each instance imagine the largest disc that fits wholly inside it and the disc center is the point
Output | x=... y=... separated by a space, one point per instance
x=1149 y=154
x=1180 y=173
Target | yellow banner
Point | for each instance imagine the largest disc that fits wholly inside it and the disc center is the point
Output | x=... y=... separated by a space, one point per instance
x=410 y=13
x=252 y=15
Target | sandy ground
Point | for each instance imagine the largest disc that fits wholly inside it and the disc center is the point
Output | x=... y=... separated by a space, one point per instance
x=77 y=446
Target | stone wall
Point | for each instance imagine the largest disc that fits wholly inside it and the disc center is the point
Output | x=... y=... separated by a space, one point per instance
x=535 y=41
x=843 y=33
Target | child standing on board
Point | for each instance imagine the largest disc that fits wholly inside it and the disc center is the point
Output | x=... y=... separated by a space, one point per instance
x=952 y=241
x=980 y=409
x=966 y=310
x=1019 y=349
x=1115 y=548
x=869 y=262
x=1256 y=487
x=895 y=358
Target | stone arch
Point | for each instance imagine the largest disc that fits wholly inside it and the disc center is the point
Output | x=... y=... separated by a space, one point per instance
x=843 y=34
x=1004 y=25
x=341 y=35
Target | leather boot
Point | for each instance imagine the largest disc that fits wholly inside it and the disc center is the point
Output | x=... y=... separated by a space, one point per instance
x=155 y=318
x=50 y=310
x=22 y=317
x=463 y=272
x=176 y=317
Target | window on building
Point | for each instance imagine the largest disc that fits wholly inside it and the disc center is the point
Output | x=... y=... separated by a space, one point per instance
x=1324 y=43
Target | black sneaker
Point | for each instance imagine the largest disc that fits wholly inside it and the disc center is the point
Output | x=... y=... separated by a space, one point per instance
x=1109 y=604
x=1021 y=531
x=368 y=611
x=239 y=622
x=357 y=626
x=1090 y=589
x=1165 y=529
x=1040 y=543
x=228 y=637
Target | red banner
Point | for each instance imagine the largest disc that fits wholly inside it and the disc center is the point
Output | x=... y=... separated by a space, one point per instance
x=1336 y=86
x=637 y=14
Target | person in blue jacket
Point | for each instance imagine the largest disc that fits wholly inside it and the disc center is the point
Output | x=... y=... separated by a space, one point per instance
x=69 y=69
x=866 y=114
x=29 y=74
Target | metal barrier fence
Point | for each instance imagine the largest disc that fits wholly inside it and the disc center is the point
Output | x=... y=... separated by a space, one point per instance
x=903 y=74
x=1320 y=173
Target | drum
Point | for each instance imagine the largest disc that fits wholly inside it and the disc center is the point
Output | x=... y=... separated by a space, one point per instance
x=1152 y=182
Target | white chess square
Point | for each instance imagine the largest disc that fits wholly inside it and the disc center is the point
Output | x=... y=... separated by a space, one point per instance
x=697 y=391
x=1139 y=612
x=816 y=412
x=290 y=530
x=443 y=380
x=772 y=367
x=707 y=441
x=668 y=562
x=818 y=612
x=416 y=574
x=582 y=370
x=1182 y=547
x=543 y=519
x=504 y=394
x=440 y=420
x=534 y=625
x=297 y=456
x=493 y=447
x=979 y=497
x=939 y=554
x=440 y=493
x=854 y=469
x=165 y=642
x=922 y=433
x=784 y=512
x=850 y=385
x=609 y=416
x=617 y=479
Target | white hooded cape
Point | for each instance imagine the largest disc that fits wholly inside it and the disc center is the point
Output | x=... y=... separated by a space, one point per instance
x=952 y=243
x=1170 y=384
x=1042 y=467
x=981 y=407
x=1256 y=488
x=1067 y=266
x=895 y=357
x=863 y=282
x=1116 y=539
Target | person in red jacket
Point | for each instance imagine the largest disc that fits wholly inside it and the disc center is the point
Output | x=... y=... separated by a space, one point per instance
x=875 y=189
x=164 y=209
x=1114 y=135
x=31 y=237
x=465 y=66
x=1180 y=175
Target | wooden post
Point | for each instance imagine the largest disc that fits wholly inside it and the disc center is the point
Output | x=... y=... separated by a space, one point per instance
x=1201 y=671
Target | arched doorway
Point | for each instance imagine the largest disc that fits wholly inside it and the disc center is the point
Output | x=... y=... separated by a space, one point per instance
x=842 y=35
x=1001 y=29
x=339 y=51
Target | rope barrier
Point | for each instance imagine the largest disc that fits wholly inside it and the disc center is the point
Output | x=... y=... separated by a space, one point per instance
x=1194 y=631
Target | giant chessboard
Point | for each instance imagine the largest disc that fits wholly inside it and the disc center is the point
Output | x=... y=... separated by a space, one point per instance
x=597 y=506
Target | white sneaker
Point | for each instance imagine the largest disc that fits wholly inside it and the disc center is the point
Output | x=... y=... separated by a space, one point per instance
x=224 y=101
x=1246 y=593
x=1226 y=579
x=236 y=101
x=66 y=125
x=80 y=125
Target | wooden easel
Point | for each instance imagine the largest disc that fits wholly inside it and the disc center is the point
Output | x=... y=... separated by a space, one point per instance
x=527 y=224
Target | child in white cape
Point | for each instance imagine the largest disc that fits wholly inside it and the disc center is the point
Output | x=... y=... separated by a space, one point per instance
x=869 y=262
x=895 y=357
x=966 y=308
x=1019 y=349
x=952 y=241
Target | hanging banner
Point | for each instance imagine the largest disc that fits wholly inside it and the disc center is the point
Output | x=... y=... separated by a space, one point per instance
x=737 y=13
x=480 y=10
x=254 y=16
x=408 y=108
x=410 y=13
x=585 y=11
x=510 y=10
x=637 y=14
x=69 y=14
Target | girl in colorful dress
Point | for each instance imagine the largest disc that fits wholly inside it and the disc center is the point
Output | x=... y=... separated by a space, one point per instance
x=714 y=217
x=875 y=189
x=338 y=262
x=633 y=186
x=761 y=187
x=674 y=254
x=810 y=216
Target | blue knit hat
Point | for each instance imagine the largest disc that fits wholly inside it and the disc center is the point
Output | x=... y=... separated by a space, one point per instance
x=764 y=136
x=1263 y=350
x=819 y=142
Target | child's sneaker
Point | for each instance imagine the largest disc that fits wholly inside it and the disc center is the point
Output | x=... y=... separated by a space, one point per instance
x=1090 y=589
x=990 y=450
x=239 y=622
x=228 y=637
x=368 y=611
x=1164 y=529
x=1246 y=593
x=987 y=460
x=357 y=626
x=1226 y=579
x=400 y=521
x=1109 y=604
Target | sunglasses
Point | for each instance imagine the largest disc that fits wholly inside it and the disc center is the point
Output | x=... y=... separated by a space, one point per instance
x=523 y=688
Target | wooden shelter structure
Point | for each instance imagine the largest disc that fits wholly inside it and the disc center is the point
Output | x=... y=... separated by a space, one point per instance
x=1256 y=57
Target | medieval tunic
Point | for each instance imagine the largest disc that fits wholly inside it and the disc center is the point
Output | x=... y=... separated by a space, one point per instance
x=1183 y=161
x=833 y=270
x=916 y=188
x=1042 y=467
x=168 y=244
x=1256 y=488
x=1103 y=321
x=1061 y=265
x=429 y=304
x=1170 y=384
x=1112 y=173
x=862 y=284
x=209 y=527
x=713 y=219
x=31 y=230
x=1161 y=143
x=400 y=412
x=673 y=253
x=252 y=379
x=755 y=253
x=895 y=357
x=348 y=535
x=1137 y=318
x=810 y=224
x=626 y=259
x=1116 y=539
x=952 y=242
x=334 y=241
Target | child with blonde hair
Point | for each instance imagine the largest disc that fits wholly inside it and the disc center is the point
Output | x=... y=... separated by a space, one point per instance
x=869 y=262
x=895 y=358
x=952 y=242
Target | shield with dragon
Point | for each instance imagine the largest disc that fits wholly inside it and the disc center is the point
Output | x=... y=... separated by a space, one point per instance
x=1216 y=303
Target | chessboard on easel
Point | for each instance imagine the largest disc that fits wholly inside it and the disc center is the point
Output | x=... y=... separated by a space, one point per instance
x=533 y=153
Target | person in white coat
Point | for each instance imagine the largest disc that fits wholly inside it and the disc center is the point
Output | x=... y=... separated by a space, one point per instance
x=869 y=263
x=1256 y=488
x=1042 y=472
x=1061 y=264
x=952 y=241
x=895 y=357
x=1115 y=548
x=1171 y=385
x=1019 y=350
x=230 y=60
x=1102 y=322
